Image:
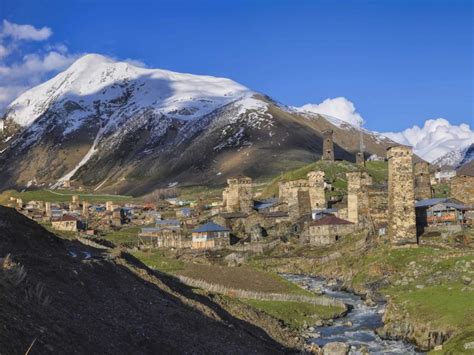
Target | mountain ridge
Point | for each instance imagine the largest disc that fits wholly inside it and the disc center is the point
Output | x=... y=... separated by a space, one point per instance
x=114 y=127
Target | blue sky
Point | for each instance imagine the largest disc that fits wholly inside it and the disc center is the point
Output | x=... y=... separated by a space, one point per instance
x=400 y=62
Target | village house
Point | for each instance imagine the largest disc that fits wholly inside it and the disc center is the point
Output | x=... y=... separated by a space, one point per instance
x=67 y=223
x=326 y=230
x=210 y=236
x=164 y=237
x=441 y=212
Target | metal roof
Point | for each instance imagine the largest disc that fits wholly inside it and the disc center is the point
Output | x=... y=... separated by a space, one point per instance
x=259 y=205
x=210 y=227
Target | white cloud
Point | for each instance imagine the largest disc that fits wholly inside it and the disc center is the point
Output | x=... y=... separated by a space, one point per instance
x=436 y=138
x=25 y=32
x=3 y=51
x=339 y=107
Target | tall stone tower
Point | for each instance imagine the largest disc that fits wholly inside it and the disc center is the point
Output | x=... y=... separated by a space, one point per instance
x=317 y=195
x=328 y=145
x=47 y=209
x=237 y=196
x=422 y=181
x=85 y=208
x=401 y=196
x=296 y=194
x=357 y=196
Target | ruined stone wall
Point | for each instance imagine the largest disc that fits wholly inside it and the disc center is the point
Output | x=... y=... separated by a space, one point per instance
x=357 y=196
x=360 y=160
x=422 y=181
x=328 y=145
x=401 y=196
x=462 y=189
x=238 y=197
x=316 y=190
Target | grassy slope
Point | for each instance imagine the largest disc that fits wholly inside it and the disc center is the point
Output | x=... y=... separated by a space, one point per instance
x=60 y=196
x=335 y=173
x=292 y=314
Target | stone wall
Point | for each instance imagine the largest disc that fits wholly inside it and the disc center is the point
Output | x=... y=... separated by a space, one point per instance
x=238 y=197
x=462 y=189
x=422 y=181
x=401 y=196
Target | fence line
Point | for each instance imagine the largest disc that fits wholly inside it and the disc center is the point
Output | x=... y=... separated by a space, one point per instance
x=319 y=300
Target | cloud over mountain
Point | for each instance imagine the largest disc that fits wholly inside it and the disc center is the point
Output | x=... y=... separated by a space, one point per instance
x=339 y=107
x=436 y=138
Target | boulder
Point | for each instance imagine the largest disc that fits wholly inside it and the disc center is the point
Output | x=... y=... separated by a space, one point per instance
x=469 y=346
x=336 y=348
x=466 y=280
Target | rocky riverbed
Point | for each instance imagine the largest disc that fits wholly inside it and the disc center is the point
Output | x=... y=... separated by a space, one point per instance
x=355 y=333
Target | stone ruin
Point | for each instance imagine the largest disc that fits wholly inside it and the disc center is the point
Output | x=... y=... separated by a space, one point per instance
x=422 y=181
x=328 y=145
x=237 y=196
x=401 y=196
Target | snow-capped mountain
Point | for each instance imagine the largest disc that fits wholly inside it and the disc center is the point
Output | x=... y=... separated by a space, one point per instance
x=114 y=126
x=456 y=158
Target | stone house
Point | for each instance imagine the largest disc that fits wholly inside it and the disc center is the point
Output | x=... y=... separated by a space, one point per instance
x=326 y=230
x=440 y=212
x=66 y=223
x=210 y=236
x=164 y=237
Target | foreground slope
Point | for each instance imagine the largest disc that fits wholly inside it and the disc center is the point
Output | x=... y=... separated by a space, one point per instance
x=60 y=296
x=114 y=127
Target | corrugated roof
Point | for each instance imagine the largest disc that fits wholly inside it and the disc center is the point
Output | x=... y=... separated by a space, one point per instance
x=431 y=202
x=329 y=220
x=210 y=227
x=275 y=214
x=68 y=217
x=265 y=203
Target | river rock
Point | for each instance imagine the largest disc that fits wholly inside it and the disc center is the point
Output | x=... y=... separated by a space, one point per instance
x=370 y=302
x=336 y=348
x=466 y=280
x=314 y=349
x=469 y=346
x=348 y=324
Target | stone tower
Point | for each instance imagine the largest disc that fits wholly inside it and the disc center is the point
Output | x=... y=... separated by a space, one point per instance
x=401 y=196
x=328 y=145
x=47 y=209
x=109 y=206
x=296 y=194
x=360 y=160
x=317 y=195
x=238 y=197
x=85 y=209
x=422 y=181
x=357 y=196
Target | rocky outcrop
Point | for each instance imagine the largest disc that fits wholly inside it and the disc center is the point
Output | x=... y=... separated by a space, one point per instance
x=399 y=325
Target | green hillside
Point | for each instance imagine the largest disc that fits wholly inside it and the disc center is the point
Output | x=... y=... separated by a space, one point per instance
x=335 y=174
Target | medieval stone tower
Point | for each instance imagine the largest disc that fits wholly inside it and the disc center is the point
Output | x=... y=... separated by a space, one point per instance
x=47 y=209
x=357 y=196
x=328 y=145
x=85 y=208
x=422 y=181
x=401 y=196
x=317 y=195
x=238 y=197
x=296 y=194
